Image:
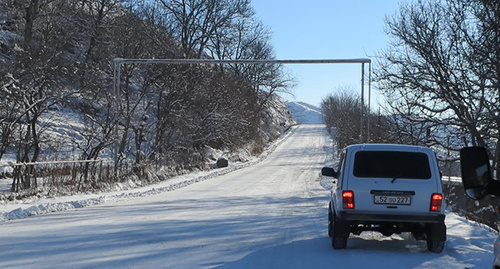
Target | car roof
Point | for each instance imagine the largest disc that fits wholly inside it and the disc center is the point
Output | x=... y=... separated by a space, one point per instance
x=389 y=147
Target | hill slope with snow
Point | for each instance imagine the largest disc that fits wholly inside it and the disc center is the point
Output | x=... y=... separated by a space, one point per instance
x=304 y=113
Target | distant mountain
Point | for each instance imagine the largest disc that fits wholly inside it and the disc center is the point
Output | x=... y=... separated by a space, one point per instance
x=304 y=113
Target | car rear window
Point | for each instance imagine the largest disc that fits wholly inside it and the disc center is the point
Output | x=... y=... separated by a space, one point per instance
x=391 y=164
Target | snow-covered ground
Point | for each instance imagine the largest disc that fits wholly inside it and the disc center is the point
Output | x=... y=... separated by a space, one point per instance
x=271 y=214
x=19 y=209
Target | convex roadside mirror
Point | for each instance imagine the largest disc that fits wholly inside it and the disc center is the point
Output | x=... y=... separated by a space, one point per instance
x=476 y=173
x=329 y=172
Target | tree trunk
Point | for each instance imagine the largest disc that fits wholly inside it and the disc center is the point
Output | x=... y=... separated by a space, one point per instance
x=31 y=15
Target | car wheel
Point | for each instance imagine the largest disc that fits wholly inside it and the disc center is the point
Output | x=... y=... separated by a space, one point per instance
x=338 y=242
x=435 y=246
x=330 y=216
x=436 y=237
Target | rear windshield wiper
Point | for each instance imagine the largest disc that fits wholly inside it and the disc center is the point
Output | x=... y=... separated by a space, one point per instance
x=397 y=176
x=400 y=174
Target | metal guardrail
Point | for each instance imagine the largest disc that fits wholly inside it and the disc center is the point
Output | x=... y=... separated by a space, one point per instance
x=52 y=162
x=74 y=175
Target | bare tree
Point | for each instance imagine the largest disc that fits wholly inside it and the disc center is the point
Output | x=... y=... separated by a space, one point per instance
x=59 y=57
x=342 y=112
x=443 y=64
x=197 y=22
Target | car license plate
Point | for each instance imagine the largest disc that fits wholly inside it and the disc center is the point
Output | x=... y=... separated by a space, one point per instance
x=392 y=200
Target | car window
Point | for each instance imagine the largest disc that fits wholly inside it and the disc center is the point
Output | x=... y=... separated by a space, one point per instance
x=391 y=164
x=340 y=169
x=341 y=163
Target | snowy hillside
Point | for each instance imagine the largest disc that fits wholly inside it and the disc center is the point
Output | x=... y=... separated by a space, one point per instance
x=305 y=113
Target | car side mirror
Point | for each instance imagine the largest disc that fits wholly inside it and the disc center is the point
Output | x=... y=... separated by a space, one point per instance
x=329 y=172
x=476 y=173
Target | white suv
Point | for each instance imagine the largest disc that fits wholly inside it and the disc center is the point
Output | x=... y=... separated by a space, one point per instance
x=389 y=189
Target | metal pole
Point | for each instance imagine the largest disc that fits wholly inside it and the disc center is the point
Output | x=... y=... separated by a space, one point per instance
x=369 y=101
x=117 y=91
x=265 y=61
x=362 y=102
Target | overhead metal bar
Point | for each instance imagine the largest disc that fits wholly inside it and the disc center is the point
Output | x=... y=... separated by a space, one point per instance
x=213 y=61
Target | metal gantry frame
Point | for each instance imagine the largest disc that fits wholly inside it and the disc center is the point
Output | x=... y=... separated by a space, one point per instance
x=117 y=62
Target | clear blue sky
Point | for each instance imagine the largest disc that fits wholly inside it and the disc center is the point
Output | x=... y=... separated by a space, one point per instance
x=326 y=29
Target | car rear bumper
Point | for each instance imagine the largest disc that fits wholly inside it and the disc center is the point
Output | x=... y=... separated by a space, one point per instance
x=390 y=218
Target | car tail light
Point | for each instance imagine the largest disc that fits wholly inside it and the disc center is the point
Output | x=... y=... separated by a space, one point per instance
x=348 y=199
x=436 y=202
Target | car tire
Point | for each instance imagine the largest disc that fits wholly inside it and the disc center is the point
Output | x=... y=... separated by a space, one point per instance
x=330 y=220
x=436 y=237
x=435 y=246
x=338 y=242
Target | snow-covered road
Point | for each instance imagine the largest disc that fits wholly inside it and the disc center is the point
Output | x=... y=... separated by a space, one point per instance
x=269 y=215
